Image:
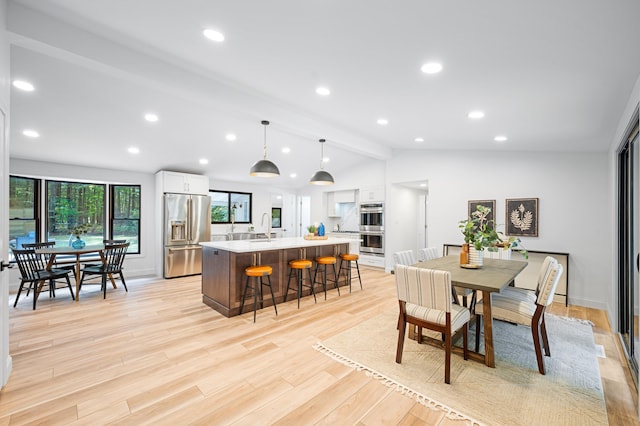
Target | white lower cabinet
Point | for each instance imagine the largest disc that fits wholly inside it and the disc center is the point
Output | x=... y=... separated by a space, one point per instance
x=370 y=260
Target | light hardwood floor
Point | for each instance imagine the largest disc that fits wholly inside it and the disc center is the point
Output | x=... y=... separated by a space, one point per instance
x=157 y=355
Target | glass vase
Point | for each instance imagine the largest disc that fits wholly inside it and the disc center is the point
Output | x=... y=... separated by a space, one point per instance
x=78 y=243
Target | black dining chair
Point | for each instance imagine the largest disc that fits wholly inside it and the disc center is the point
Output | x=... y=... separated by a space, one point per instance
x=33 y=271
x=48 y=244
x=114 y=255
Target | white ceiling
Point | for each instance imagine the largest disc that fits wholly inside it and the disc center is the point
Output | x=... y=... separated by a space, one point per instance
x=550 y=75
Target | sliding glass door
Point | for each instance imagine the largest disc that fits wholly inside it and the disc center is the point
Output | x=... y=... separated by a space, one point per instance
x=629 y=246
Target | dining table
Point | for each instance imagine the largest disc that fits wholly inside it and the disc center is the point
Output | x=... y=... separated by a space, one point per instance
x=54 y=251
x=491 y=277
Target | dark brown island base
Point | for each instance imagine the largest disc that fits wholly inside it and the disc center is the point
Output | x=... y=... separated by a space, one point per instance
x=224 y=262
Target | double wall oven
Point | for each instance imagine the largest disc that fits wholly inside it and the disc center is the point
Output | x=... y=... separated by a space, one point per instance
x=372 y=228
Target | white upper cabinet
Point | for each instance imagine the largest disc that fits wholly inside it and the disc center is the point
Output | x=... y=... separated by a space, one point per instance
x=335 y=199
x=372 y=193
x=183 y=183
x=345 y=196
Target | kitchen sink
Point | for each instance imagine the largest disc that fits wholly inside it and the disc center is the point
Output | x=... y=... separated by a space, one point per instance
x=232 y=236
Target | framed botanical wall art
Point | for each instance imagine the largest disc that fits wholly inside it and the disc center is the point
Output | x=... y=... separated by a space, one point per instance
x=485 y=203
x=521 y=217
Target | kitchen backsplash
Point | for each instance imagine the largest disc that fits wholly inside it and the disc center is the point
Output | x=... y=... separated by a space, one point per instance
x=348 y=220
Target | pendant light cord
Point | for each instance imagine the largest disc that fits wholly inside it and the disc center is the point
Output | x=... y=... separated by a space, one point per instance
x=265 y=141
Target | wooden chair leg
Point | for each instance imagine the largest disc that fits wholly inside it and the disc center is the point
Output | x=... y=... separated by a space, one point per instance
x=447 y=356
x=545 y=339
x=401 y=332
x=478 y=328
x=70 y=288
x=465 y=330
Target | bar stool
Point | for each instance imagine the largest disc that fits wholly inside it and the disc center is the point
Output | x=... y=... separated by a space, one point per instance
x=324 y=261
x=258 y=272
x=296 y=267
x=348 y=258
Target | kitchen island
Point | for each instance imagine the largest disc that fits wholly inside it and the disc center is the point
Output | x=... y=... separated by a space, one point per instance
x=224 y=262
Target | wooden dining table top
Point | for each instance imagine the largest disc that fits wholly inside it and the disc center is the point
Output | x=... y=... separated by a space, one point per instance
x=492 y=276
x=70 y=250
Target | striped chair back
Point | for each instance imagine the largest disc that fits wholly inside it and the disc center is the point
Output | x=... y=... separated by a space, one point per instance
x=501 y=254
x=427 y=288
x=428 y=253
x=405 y=257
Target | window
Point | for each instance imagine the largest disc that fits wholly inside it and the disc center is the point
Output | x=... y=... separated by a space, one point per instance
x=67 y=205
x=71 y=204
x=228 y=207
x=276 y=217
x=125 y=215
x=24 y=220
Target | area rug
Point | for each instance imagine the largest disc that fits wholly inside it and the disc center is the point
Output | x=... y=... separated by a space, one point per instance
x=513 y=393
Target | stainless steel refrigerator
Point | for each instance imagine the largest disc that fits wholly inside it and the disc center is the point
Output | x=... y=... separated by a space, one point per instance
x=187 y=222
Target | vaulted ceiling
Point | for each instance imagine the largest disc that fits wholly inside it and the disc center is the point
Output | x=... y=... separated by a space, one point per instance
x=548 y=75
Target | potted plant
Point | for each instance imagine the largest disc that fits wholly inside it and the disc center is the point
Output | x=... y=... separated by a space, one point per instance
x=312 y=229
x=480 y=233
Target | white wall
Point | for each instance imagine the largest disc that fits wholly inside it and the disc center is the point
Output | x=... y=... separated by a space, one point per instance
x=137 y=265
x=261 y=200
x=574 y=204
x=401 y=219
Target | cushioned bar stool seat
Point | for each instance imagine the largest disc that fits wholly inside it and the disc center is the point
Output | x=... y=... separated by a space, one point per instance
x=345 y=264
x=321 y=264
x=258 y=272
x=296 y=267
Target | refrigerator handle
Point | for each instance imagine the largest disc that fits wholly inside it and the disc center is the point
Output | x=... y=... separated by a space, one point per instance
x=189 y=219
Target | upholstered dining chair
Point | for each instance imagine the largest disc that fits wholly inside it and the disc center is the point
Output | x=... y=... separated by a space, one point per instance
x=525 y=312
x=428 y=253
x=424 y=296
x=498 y=254
x=405 y=257
x=520 y=293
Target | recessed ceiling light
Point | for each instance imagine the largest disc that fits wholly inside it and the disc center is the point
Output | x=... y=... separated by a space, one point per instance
x=423 y=185
x=293 y=175
x=23 y=85
x=286 y=150
x=203 y=161
x=213 y=35
x=476 y=114
x=230 y=137
x=133 y=150
x=418 y=140
x=31 y=133
x=500 y=138
x=151 y=117
x=326 y=159
x=431 y=68
x=323 y=91
x=382 y=121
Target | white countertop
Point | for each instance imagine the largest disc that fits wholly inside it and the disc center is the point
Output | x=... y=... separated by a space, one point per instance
x=246 y=246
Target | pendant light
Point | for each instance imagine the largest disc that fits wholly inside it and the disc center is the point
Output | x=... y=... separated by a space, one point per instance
x=264 y=167
x=321 y=177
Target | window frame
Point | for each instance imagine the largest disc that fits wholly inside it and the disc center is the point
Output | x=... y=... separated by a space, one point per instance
x=111 y=218
x=37 y=217
x=229 y=195
x=41 y=207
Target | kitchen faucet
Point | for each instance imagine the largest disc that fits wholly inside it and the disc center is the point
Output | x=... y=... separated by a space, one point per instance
x=268 y=233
